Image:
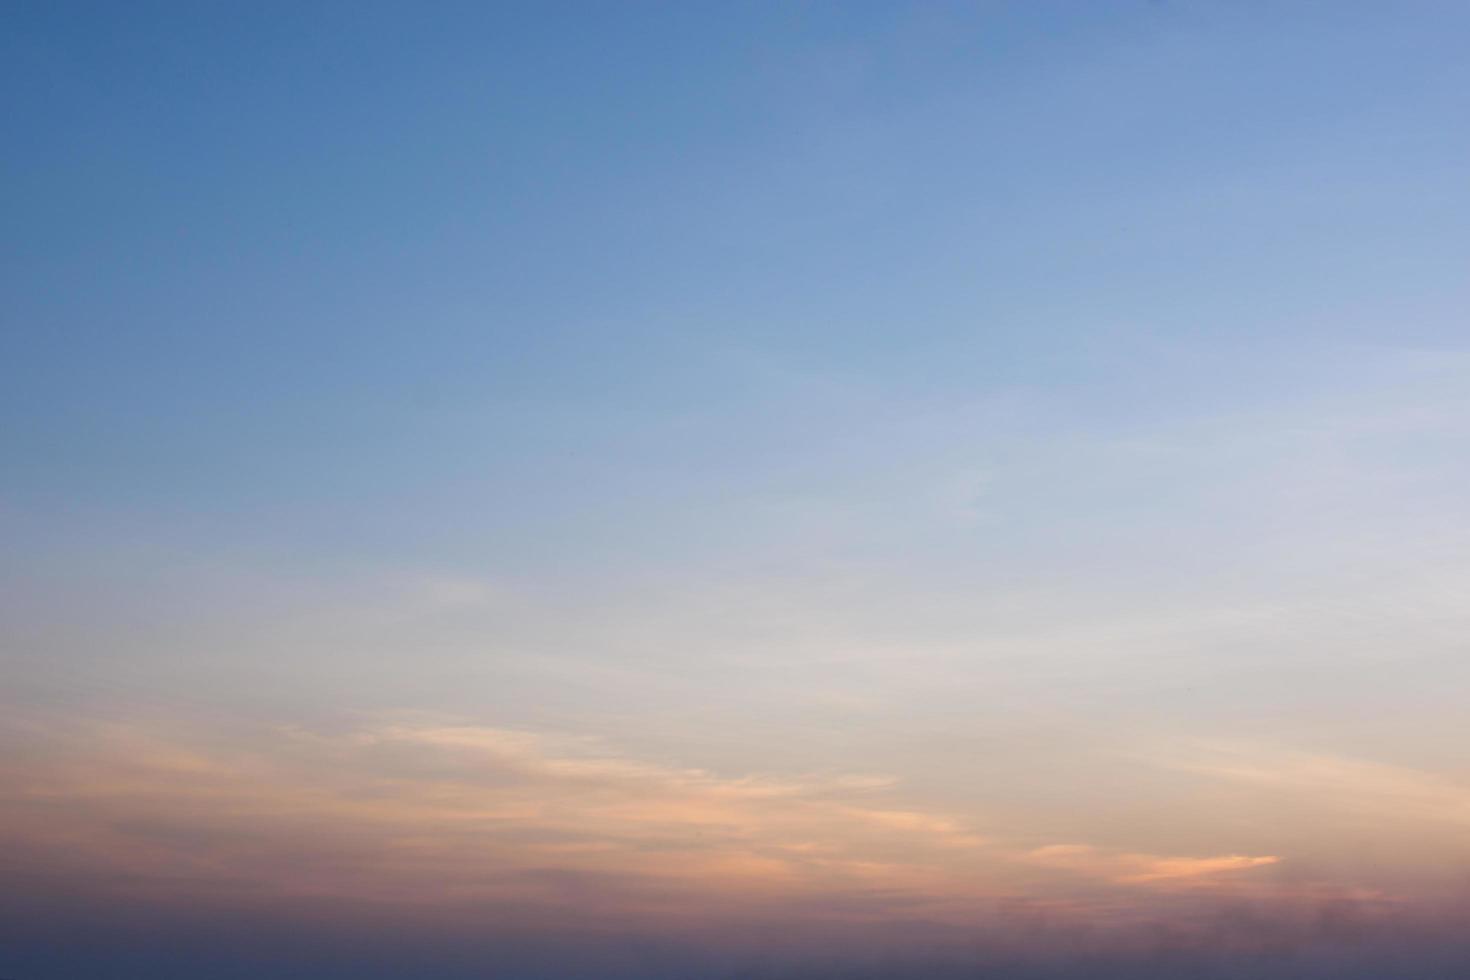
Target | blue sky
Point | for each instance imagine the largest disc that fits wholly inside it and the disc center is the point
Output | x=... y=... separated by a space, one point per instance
x=1048 y=417
x=313 y=240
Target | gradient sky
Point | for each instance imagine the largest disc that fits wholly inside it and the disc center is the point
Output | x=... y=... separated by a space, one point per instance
x=705 y=489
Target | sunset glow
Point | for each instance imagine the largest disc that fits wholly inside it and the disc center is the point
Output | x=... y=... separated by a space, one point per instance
x=747 y=491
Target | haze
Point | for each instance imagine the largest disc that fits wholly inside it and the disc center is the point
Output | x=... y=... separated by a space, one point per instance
x=637 y=490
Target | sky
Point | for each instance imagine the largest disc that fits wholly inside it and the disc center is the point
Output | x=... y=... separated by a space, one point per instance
x=768 y=490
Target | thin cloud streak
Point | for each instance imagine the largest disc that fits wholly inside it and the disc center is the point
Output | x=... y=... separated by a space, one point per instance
x=440 y=814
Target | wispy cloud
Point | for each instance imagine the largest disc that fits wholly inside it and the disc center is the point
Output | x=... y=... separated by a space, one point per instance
x=1130 y=868
x=1400 y=794
x=434 y=813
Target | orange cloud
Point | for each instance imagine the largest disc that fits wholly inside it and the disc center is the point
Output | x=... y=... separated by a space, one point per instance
x=447 y=815
x=1134 y=869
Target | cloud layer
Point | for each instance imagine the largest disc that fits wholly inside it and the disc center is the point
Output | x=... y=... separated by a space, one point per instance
x=461 y=817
